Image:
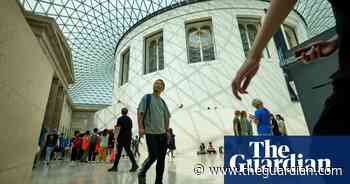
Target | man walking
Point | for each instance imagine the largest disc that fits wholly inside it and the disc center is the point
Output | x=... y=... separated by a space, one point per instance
x=123 y=140
x=153 y=118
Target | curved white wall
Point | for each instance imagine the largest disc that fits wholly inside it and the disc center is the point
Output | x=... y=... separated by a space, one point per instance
x=201 y=85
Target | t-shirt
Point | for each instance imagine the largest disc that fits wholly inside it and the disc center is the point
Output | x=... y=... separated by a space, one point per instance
x=158 y=112
x=52 y=140
x=104 y=141
x=125 y=125
x=264 y=118
x=94 y=139
x=342 y=17
x=246 y=127
x=76 y=141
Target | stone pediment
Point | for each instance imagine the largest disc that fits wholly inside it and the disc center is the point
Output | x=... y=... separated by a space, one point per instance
x=54 y=45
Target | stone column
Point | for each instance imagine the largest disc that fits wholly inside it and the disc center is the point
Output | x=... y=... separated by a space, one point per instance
x=51 y=105
x=58 y=108
x=25 y=78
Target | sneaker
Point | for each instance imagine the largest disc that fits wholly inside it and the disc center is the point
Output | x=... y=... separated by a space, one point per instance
x=134 y=168
x=113 y=169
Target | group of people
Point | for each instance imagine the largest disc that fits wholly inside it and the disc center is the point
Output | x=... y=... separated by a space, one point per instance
x=153 y=123
x=83 y=147
x=266 y=122
x=209 y=150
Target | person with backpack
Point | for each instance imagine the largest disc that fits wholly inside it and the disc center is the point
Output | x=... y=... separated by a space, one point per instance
x=94 y=140
x=153 y=117
x=51 y=143
x=123 y=138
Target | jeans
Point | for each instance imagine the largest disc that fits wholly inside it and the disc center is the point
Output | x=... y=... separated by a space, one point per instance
x=49 y=150
x=119 y=154
x=92 y=153
x=157 y=147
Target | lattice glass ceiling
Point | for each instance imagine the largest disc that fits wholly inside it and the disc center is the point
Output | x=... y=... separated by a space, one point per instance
x=93 y=28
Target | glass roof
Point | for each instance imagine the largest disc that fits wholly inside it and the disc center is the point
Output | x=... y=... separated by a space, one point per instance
x=93 y=28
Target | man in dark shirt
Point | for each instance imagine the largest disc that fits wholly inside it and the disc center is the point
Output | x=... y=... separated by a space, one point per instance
x=51 y=143
x=332 y=121
x=123 y=137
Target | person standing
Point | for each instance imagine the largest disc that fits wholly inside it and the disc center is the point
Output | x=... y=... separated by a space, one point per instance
x=262 y=118
x=123 y=140
x=61 y=147
x=246 y=126
x=330 y=122
x=275 y=127
x=281 y=124
x=51 y=144
x=171 y=144
x=111 y=142
x=153 y=119
x=94 y=141
x=135 y=144
x=103 y=146
x=85 y=146
x=237 y=123
x=76 y=146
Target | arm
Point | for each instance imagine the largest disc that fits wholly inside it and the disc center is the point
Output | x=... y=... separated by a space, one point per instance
x=317 y=49
x=235 y=128
x=278 y=11
x=275 y=16
x=116 y=133
x=140 y=118
x=166 y=124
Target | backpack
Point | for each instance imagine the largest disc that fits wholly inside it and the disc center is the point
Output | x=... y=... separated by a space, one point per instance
x=94 y=140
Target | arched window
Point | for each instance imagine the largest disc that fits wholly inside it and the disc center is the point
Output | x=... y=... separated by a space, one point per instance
x=248 y=28
x=154 y=60
x=200 y=45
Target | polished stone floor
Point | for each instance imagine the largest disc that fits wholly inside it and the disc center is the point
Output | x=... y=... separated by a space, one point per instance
x=179 y=170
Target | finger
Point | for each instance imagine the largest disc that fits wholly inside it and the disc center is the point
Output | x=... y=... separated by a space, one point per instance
x=299 y=52
x=312 y=54
x=245 y=85
x=305 y=59
x=235 y=90
x=318 y=51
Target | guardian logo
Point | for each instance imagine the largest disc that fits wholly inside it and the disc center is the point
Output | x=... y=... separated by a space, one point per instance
x=285 y=159
x=267 y=155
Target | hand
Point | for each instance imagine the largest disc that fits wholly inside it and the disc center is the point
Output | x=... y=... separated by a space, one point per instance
x=316 y=50
x=168 y=136
x=141 y=132
x=244 y=75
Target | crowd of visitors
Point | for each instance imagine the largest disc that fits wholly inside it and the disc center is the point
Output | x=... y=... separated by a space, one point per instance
x=85 y=147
